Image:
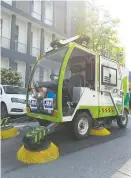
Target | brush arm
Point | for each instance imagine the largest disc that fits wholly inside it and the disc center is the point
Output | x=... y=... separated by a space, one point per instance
x=51 y=128
x=39 y=134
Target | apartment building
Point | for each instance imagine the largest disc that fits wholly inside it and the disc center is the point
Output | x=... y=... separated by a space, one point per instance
x=28 y=27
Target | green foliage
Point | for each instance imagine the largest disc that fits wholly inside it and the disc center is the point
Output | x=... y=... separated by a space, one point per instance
x=10 y=77
x=102 y=31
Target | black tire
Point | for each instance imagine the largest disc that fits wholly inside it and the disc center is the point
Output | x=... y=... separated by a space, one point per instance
x=123 y=120
x=80 y=118
x=4 y=112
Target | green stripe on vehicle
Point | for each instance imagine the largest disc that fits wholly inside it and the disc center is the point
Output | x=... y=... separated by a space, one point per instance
x=61 y=78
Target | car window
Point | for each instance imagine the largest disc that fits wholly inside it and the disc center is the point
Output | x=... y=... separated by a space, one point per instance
x=14 y=90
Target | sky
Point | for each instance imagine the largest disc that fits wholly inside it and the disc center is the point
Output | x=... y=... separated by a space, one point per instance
x=122 y=10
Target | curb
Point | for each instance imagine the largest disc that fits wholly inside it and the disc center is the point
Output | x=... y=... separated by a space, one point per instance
x=124 y=171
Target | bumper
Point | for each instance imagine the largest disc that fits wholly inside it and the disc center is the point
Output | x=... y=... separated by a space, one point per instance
x=17 y=113
x=17 y=109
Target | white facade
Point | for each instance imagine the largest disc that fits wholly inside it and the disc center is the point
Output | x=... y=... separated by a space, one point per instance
x=22 y=35
x=35 y=41
x=6 y=30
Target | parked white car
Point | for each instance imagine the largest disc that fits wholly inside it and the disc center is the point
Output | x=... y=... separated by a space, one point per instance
x=13 y=100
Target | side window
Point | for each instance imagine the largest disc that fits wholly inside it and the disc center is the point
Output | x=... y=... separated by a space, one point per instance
x=81 y=64
x=109 y=76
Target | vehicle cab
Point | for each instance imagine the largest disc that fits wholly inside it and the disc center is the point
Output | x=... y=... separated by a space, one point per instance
x=68 y=67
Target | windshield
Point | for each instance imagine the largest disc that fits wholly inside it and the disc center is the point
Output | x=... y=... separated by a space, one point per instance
x=14 y=90
x=48 y=67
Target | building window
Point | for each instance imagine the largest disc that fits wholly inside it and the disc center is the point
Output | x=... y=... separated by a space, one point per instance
x=16 y=37
x=36 y=9
x=48 y=13
x=13 y=66
x=4 y=63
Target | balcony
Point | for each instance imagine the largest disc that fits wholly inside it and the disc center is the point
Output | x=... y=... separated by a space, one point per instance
x=20 y=47
x=36 y=15
x=5 y=42
x=35 y=51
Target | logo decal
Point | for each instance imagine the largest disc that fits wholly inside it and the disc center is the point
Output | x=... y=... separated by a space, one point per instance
x=48 y=103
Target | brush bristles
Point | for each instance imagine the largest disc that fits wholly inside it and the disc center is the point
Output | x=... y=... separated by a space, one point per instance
x=31 y=157
x=9 y=133
x=100 y=132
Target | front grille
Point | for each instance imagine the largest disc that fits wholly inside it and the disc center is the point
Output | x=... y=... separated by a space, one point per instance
x=16 y=110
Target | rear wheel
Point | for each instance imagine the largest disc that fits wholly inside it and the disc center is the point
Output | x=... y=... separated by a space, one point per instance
x=4 y=112
x=82 y=125
x=122 y=121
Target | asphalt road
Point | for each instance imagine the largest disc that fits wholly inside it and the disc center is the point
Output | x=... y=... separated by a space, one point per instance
x=95 y=157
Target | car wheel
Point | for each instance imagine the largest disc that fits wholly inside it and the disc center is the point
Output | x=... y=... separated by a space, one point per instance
x=4 y=112
x=82 y=125
x=122 y=121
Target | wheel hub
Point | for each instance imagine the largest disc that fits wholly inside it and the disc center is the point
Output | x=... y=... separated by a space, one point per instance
x=124 y=118
x=83 y=126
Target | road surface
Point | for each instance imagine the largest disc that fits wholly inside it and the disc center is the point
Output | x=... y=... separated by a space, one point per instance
x=96 y=157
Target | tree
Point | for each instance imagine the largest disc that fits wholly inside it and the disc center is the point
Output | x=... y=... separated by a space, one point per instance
x=10 y=77
x=102 y=31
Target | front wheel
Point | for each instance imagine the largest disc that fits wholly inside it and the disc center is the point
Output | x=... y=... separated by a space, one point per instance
x=4 y=112
x=82 y=125
x=122 y=121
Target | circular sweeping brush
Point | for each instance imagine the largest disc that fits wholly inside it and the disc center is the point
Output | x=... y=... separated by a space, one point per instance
x=42 y=152
x=8 y=132
x=101 y=131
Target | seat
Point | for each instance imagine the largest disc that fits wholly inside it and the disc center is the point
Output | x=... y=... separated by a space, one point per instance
x=75 y=81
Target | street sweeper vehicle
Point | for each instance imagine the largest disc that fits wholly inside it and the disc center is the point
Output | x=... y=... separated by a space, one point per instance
x=77 y=88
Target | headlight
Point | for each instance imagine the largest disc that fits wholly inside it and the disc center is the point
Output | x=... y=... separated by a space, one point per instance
x=17 y=100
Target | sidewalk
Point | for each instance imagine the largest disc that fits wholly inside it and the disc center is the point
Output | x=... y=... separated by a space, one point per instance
x=124 y=171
